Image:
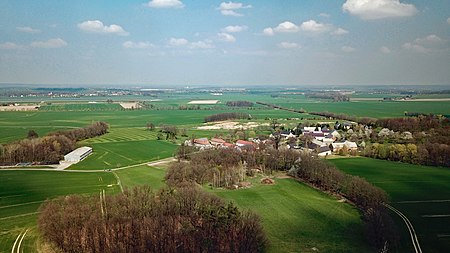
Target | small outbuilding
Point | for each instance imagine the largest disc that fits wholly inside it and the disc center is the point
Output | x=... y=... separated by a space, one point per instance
x=78 y=154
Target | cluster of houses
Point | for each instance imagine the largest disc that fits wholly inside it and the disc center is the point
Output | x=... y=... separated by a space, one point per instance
x=324 y=141
x=321 y=141
x=205 y=143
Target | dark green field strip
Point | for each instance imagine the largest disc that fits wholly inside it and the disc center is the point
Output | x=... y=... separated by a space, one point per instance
x=298 y=218
x=421 y=193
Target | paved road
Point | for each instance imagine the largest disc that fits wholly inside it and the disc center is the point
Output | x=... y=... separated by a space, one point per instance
x=410 y=227
x=57 y=168
x=18 y=242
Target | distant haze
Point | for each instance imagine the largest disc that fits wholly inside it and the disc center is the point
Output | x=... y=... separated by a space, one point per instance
x=187 y=42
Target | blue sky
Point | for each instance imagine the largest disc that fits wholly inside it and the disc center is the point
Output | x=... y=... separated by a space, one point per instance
x=187 y=42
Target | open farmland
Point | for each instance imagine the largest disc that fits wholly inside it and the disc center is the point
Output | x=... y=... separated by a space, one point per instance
x=81 y=107
x=298 y=218
x=22 y=192
x=15 y=125
x=123 y=147
x=375 y=109
x=421 y=193
x=308 y=218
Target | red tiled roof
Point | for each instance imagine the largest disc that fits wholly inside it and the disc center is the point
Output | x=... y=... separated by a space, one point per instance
x=217 y=140
x=202 y=141
x=229 y=145
x=241 y=142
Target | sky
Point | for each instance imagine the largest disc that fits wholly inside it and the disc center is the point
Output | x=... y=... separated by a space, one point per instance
x=252 y=42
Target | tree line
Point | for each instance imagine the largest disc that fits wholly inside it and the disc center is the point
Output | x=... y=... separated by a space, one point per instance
x=48 y=149
x=227 y=116
x=335 y=96
x=431 y=154
x=184 y=219
x=239 y=103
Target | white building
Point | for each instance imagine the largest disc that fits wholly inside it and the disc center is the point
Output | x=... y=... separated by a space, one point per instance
x=340 y=145
x=78 y=154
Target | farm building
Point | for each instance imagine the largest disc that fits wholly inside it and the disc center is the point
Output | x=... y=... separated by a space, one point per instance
x=78 y=154
x=242 y=143
x=217 y=142
x=340 y=145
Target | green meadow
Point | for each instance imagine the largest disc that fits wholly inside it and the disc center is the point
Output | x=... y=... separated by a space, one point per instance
x=374 y=109
x=421 y=193
x=80 y=107
x=15 y=125
x=123 y=147
x=22 y=192
x=298 y=218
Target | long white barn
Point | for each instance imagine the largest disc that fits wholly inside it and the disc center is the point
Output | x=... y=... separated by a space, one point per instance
x=78 y=154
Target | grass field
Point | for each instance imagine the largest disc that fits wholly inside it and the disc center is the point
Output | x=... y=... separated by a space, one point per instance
x=375 y=109
x=124 y=146
x=142 y=175
x=81 y=107
x=22 y=192
x=298 y=218
x=422 y=193
x=15 y=125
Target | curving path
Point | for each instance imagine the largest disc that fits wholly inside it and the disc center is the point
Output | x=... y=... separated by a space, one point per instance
x=410 y=227
x=18 y=242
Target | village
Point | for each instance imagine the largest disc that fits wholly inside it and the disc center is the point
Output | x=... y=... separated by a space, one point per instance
x=319 y=140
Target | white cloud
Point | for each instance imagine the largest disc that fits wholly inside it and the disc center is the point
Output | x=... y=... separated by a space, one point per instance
x=137 y=45
x=339 y=31
x=229 y=8
x=314 y=27
x=176 y=42
x=9 y=46
x=268 y=31
x=286 y=27
x=165 y=4
x=348 y=49
x=204 y=44
x=324 y=15
x=27 y=29
x=97 y=26
x=51 y=43
x=448 y=21
x=310 y=26
x=288 y=45
x=231 y=13
x=415 y=47
x=234 y=29
x=378 y=9
x=385 y=50
x=429 y=39
x=226 y=37
x=426 y=44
